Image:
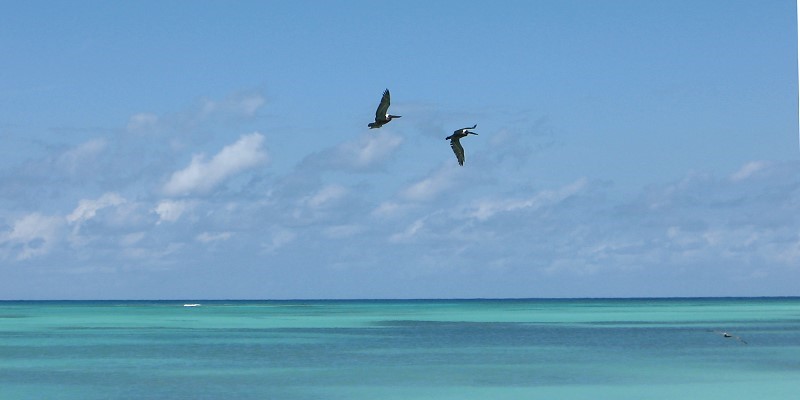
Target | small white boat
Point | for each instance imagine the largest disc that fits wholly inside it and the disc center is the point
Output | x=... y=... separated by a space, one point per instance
x=191 y=305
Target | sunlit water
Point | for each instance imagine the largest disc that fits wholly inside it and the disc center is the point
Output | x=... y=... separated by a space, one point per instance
x=474 y=349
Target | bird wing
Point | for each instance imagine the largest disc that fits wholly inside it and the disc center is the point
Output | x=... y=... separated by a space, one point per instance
x=383 y=108
x=463 y=131
x=458 y=150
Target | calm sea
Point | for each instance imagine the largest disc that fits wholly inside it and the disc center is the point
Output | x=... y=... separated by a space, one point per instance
x=460 y=349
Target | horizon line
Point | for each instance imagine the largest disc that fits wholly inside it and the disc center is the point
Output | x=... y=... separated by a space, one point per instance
x=399 y=299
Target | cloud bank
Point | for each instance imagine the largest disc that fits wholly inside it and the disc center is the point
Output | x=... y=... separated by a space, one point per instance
x=387 y=214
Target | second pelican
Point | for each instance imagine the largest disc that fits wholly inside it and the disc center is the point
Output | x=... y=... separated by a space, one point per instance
x=456 y=144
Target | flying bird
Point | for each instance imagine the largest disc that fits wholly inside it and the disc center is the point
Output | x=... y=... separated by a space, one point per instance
x=382 y=116
x=729 y=336
x=456 y=144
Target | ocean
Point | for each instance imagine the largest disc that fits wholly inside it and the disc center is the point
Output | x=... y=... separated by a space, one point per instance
x=403 y=349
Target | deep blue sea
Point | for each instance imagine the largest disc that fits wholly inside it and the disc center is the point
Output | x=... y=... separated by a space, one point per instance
x=421 y=349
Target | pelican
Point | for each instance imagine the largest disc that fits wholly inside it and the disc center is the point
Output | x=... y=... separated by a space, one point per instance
x=456 y=145
x=729 y=336
x=382 y=116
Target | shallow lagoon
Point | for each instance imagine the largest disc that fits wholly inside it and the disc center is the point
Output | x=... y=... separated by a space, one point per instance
x=439 y=349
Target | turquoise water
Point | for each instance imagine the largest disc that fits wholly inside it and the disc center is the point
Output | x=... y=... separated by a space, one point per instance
x=468 y=349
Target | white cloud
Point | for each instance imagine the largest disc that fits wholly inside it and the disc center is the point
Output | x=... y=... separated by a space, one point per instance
x=343 y=231
x=430 y=187
x=142 y=122
x=326 y=195
x=204 y=112
x=372 y=148
x=207 y=237
x=72 y=160
x=408 y=233
x=487 y=208
x=361 y=154
x=320 y=205
x=87 y=209
x=132 y=239
x=171 y=210
x=248 y=105
x=203 y=175
x=748 y=170
x=388 y=209
x=153 y=254
x=279 y=239
x=32 y=235
x=682 y=238
x=788 y=254
x=244 y=104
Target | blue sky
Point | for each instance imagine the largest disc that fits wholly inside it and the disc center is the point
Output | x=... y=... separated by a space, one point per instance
x=158 y=150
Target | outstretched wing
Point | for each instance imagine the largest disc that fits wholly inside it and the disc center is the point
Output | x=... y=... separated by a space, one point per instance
x=383 y=108
x=458 y=150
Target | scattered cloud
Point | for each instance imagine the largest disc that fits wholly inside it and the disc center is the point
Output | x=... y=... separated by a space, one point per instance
x=429 y=188
x=248 y=104
x=343 y=231
x=486 y=208
x=326 y=195
x=87 y=209
x=278 y=239
x=748 y=170
x=80 y=157
x=204 y=112
x=152 y=254
x=131 y=239
x=359 y=155
x=389 y=209
x=202 y=174
x=207 y=237
x=330 y=210
x=143 y=123
x=171 y=210
x=789 y=253
x=242 y=104
x=30 y=236
x=408 y=233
